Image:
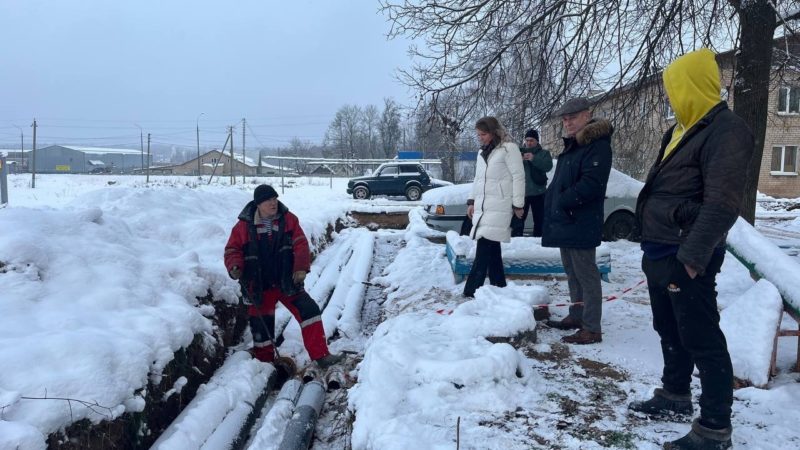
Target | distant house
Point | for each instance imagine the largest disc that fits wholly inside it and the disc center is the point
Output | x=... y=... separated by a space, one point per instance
x=220 y=164
x=75 y=159
x=322 y=170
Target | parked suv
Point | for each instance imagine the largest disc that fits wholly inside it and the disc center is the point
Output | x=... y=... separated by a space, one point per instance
x=395 y=178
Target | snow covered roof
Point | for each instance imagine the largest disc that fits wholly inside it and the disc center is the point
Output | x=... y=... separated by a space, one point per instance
x=271 y=166
x=246 y=160
x=103 y=150
x=95 y=162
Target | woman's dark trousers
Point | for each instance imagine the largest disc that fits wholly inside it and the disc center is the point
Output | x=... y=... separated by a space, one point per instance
x=488 y=259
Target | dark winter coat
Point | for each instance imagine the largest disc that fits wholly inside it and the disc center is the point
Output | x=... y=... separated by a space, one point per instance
x=694 y=195
x=573 y=203
x=267 y=262
x=536 y=170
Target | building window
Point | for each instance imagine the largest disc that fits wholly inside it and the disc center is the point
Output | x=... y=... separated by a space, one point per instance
x=789 y=100
x=669 y=114
x=784 y=160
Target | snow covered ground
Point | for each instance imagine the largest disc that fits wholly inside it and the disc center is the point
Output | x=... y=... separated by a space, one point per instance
x=98 y=287
x=99 y=281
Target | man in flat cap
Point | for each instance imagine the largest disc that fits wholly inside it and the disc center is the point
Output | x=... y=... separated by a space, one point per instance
x=573 y=219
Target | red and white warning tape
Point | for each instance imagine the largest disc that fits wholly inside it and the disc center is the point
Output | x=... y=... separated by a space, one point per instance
x=607 y=298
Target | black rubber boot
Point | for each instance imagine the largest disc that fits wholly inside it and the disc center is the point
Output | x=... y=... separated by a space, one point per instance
x=665 y=404
x=702 y=438
x=327 y=361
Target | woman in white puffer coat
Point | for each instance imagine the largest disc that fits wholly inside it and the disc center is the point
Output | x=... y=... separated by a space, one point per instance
x=497 y=192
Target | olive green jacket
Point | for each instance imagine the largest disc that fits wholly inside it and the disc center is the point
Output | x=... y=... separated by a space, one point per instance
x=536 y=170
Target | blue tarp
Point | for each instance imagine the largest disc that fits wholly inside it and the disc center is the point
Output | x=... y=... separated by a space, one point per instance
x=410 y=155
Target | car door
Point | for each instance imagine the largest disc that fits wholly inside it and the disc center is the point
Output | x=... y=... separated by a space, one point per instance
x=409 y=172
x=386 y=180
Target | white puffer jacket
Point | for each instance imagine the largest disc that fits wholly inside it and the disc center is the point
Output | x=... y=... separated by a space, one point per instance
x=499 y=184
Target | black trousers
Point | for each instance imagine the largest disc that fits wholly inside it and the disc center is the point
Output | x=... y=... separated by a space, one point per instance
x=686 y=318
x=536 y=205
x=488 y=259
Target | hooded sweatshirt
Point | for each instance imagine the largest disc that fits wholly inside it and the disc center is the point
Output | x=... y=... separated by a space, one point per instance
x=693 y=87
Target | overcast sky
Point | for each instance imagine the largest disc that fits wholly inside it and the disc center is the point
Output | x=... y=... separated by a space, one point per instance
x=88 y=70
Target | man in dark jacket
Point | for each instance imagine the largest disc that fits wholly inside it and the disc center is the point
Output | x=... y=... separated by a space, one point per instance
x=689 y=202
x=268 y=252
x=573 y=220
x=537 y=162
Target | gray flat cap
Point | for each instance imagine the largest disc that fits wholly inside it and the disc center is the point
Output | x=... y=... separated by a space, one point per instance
x=572 y=106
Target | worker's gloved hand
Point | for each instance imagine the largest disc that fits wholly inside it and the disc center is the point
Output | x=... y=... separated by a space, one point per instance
x=299 y=277
x=235 y=273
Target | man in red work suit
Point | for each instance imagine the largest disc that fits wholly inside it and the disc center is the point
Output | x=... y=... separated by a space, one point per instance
x=268 y=252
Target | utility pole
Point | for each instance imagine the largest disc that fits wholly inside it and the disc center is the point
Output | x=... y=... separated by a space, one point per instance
x=233 y=160
x=244 y=160
x=33 y=176
x=147 y=180
x=197 y=123
x=141 y=143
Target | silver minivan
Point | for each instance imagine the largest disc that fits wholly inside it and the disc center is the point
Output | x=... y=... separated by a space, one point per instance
x=445 y=208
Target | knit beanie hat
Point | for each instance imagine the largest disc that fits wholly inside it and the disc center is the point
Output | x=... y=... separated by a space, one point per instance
x=262 y=193
x=532 y=134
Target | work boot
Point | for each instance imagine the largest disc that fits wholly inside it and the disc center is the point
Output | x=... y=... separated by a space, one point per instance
x=702 y=438
x=567 y=323
x=583 y=337
x=329 y=360
x=665 y=404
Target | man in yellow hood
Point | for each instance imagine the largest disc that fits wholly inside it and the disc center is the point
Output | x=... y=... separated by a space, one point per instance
x=689 y=202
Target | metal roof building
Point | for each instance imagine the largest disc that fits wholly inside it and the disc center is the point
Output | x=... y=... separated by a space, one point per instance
x=74 y=159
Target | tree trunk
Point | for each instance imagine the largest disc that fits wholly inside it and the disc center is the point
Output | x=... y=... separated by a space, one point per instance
x=751 y=87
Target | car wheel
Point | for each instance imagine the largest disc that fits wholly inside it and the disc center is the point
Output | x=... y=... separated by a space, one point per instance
x=413 y=193
x=619 y=225
x=361 y=193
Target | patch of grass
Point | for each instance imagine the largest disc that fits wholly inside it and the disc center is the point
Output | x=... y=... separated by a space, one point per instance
x=612 y=438
x=559 y=354
x=602 y=370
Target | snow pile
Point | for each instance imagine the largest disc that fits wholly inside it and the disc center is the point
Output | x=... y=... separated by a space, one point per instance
x=769 y=260
x=100 y=285
x=422 y=371
x=530 y=295
x=420 y=267
x=417 y=225
x=749 y=324
x=772 y=415
x=94 y=307
x=20 y=436
x=456 y=194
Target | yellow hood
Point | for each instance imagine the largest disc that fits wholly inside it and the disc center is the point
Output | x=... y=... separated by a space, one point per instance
x=693 y=86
